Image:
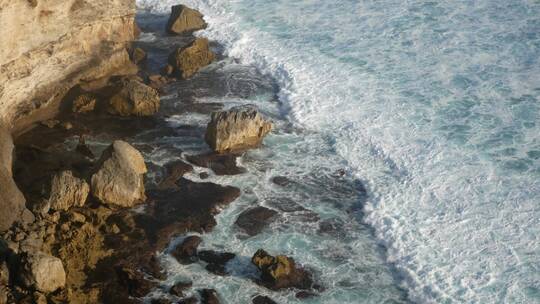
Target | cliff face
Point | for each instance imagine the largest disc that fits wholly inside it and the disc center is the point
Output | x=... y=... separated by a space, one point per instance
x=49 y=46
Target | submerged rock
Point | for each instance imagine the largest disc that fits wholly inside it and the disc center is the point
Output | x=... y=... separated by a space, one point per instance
x=221 y=164
x=262 y=300
x=280 y=272
x=186 y=252
x=174 y=171
x=189 y=60
x=179 y=288
x=67 y=191
x=84 y=103
x=216 y=261
x=119 y=180
x=254 y=220
x=209 y=296
x=42 y=272
x=133 y=281
x=134 y=98
x=237 y=129
x=184 y=20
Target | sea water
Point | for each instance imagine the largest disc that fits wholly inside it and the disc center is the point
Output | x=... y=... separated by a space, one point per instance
x=431 y=108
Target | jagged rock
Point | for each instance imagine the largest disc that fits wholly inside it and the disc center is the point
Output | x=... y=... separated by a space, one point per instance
x=157 y=81
x=190 y=59
x=237 y=129
x=254 y=220
x=217 y=261
x=134 y=98
x=119 y=180
x=51 y=123
x=174 y=171
x=209 y=296
x=133 y=281
x=184 y=20
x=84 y=103
x=67 y=191
x=262 y=300
x=12 y=201
x=4 y=273
x=41 y=271
x=138 y=55
x=186 y=252
x=179 y=288
x=280 y=272
x=3 y=294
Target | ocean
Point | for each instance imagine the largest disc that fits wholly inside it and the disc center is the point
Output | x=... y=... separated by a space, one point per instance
x=431 y=111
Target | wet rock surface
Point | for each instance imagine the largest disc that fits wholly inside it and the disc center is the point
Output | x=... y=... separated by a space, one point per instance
x=186 y=252
x=280 y=272
x=254 y=220
x=209 y=296
x=221 y=164
x=263 y=300
x=188 y=60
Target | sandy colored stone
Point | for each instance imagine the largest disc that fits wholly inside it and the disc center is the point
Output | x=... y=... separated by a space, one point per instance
x=236 y=129
x=184 y=20
x=67 y=191
x=43 y=272
x=138 y=55
x=84 y=103
x=190 y=59
x=119 y=180
x=134 y=98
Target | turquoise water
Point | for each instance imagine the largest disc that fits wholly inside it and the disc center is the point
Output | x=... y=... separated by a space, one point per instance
x=434 y=106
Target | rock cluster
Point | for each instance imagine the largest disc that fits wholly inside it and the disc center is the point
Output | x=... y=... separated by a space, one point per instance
x=237 y=129
x=280 y=272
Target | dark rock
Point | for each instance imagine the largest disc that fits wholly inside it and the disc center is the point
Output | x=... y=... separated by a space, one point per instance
x=174 y=171
x=186 y=252
x=254 y=220
x=204 y=175
x=133 y=281
x=184 y=20
x=179 y=288
x=190 y=300
x=221 y=164
x=285 y=204
x=262 y=300
x=305 y=294
x=280 y=272
x=209 y=296
x=83 y=149
x=161 y=301
x=237 y=129
x=217 y=269
x=281 y=181
x=214 y=257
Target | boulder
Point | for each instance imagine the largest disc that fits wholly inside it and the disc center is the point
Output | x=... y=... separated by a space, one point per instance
x=119 y=180
x=217 y=261
x=209 y=296
x=134 y=98
x=12 y=201
x=262 y=300
x=84 y=103
x=237 y=129
x=280 y=272
x=254 y=220
x=221 y=164
x=179 y=288
x=42 y=272
x=186 y=252
x=67 y=191
x=184 y=20
x=188 y=60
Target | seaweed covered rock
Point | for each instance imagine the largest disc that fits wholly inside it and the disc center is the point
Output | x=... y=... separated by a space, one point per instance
x=119 y=180
x=42 y=272
x=237 y=129
x=280 y=272
x=134 y=98
x=188 y=60
x=184 y=20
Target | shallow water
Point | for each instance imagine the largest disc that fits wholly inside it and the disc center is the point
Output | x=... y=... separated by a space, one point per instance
x=434 y=106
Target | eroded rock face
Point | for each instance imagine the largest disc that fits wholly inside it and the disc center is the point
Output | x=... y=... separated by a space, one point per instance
x=280 y=272
x=42 y=272
x=184 y=20
x=67 y=191
x=52 y=46
x=189 y=60
x=119 y=181
x=237 y=129
x=12 y=201
x=84 y=103
x=134 y=98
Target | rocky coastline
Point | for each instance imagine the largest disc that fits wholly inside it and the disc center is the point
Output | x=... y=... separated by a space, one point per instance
x=82 y=221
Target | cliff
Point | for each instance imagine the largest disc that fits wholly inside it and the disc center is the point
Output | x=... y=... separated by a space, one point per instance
x=49 y=46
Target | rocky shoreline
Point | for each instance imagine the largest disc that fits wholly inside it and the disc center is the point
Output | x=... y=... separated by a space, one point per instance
x=83 y=221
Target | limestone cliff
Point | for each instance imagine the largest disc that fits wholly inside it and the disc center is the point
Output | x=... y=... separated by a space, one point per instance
x=49 y=46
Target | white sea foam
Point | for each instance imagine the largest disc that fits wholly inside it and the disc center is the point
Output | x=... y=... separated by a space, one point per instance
x=435 y=105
